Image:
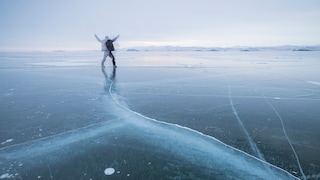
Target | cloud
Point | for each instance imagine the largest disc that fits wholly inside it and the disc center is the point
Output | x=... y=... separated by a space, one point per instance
x=205 y=23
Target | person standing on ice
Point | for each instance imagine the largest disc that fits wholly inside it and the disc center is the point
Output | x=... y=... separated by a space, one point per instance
x=107 y=47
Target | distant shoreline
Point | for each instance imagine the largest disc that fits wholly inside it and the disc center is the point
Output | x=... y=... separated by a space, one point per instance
x=189 y=48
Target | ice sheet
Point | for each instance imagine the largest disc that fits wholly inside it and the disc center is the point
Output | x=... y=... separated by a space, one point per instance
x=181 y=115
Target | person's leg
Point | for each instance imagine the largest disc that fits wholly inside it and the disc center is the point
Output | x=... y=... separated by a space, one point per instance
x=113 y=59
x=104 y=58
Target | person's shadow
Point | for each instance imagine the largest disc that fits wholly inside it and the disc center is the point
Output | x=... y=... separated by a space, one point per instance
x=109 y=79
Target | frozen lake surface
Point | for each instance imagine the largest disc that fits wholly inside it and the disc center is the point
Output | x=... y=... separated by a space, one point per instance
x=165 y=115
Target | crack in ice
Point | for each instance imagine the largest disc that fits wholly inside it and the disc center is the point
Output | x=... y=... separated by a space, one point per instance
x=266 y=166
x=288 y=139
x=199 y=149
x=253 y=146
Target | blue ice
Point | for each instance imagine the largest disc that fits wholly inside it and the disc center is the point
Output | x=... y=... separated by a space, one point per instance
x=193 y=146
x=200 y=150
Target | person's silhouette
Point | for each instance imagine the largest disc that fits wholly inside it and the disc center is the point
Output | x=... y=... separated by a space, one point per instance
x=107 y=47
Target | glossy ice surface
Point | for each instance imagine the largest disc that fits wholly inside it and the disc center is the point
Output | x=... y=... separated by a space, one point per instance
x=184 y=115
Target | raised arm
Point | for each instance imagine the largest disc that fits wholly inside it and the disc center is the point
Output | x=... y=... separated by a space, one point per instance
x=97 y=38
x=114 y=39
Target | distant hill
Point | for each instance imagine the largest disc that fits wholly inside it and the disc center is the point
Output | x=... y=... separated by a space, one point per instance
x=234 y=48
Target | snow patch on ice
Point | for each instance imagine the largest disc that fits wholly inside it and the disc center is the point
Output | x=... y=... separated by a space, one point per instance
x=6 y=175
x=109 y=171
x=314 y=82
x=7 y=141
x=60 y=64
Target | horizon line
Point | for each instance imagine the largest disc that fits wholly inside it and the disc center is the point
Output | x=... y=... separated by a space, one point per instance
x=67 y=49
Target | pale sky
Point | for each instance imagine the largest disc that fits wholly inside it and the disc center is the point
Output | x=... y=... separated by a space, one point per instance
x=71 y=24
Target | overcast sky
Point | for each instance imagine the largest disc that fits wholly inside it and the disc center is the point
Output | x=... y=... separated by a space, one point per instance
x=71 y=24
